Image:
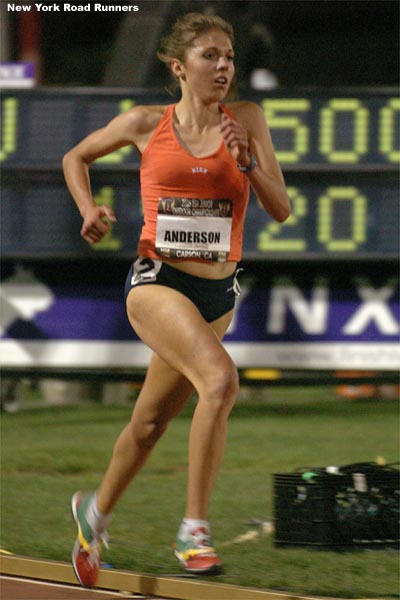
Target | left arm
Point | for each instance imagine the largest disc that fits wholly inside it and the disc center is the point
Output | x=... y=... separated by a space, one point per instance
x=250 y=133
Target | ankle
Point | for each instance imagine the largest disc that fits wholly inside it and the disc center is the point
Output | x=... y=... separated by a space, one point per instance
x=189 y=525
x=98 y=521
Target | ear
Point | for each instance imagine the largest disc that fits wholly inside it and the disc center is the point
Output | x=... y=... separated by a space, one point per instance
x=177 y=68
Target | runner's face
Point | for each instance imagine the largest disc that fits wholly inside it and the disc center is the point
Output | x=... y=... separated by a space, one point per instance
x=208 y=68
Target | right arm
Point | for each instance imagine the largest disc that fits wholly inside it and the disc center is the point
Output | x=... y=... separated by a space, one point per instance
x=133 y=127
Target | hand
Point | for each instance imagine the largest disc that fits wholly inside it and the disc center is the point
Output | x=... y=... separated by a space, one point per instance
x=235 y=138
x=96 y=223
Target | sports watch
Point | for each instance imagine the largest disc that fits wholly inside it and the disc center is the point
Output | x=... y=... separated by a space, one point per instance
x=252 y=164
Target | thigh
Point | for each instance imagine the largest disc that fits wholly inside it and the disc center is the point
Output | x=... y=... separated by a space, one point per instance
x=164 y=393
x=165 y=390
x=171 y=325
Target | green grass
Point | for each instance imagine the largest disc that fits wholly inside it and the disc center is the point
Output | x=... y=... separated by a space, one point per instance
x=49 y=453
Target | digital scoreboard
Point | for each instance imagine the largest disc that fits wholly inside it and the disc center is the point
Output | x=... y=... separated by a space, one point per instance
x=339 y=151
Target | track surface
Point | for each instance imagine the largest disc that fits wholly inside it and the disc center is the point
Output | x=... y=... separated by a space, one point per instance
x=25 y=578
x=15 y=588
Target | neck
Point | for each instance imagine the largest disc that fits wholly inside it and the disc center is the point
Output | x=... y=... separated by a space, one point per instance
x=195 y=114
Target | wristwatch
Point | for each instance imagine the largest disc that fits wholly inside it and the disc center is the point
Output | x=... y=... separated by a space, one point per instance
x=252 y=164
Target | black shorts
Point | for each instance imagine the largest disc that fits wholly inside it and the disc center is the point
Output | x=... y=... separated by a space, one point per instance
x=213 y=297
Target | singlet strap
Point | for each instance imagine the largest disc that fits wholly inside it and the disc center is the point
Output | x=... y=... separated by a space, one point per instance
x=228 y=112
x=164 y=120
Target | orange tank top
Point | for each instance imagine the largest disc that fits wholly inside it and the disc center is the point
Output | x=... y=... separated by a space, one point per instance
x=194 y=208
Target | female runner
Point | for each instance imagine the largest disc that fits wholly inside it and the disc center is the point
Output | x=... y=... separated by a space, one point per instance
x=198 y=158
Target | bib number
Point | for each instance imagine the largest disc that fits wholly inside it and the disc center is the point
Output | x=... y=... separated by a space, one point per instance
x=145 y=270
x=194 y=228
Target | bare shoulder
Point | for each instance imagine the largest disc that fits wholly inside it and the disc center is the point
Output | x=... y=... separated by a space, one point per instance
x=142 y=119
x=245 y=111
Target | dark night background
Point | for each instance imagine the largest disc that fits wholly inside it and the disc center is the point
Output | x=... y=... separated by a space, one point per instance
x=312 y=43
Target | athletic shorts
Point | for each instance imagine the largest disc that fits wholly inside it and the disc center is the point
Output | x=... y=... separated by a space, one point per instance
x=212 y=297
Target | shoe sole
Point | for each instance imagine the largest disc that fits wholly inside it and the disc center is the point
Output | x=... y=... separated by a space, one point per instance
x=214 y=570
x=75 y=517
x=76 y=545
x=74 y=503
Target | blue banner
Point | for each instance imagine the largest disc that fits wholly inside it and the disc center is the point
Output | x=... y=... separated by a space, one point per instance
x=319 y=319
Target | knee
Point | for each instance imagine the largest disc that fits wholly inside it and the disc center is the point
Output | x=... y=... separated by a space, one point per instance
x=147 y=433
x=222 y=386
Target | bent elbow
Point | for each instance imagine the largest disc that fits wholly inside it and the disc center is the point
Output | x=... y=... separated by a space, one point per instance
x=66 y=160
x=72 y=158
x=283 y=215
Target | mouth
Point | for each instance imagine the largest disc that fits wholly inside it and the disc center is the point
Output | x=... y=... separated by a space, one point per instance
x=221 y=80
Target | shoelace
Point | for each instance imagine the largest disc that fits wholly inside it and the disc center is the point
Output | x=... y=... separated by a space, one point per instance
x=104 y=538
x=201 y=537
x=94 y=548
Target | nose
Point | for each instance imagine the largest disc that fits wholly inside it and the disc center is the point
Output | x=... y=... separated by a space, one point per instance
x=223 y=63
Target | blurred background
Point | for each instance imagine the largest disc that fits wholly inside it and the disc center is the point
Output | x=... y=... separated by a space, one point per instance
x=303 y=43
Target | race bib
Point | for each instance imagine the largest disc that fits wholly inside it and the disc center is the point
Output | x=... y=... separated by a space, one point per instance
x=194 y=228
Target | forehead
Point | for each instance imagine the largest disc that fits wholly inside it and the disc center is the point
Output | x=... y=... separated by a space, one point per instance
x=212 y=38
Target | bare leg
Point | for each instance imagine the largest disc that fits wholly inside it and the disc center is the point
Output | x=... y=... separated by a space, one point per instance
x=207 y=441
x=192 y=347
x=188 y=354
x=163 y=395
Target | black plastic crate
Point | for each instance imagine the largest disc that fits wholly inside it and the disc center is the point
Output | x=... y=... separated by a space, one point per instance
x=355 y=506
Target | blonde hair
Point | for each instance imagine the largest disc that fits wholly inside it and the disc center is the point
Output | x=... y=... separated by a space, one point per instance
x=186 y=29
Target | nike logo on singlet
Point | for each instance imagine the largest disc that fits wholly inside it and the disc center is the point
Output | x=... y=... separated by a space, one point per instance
x=199 y=170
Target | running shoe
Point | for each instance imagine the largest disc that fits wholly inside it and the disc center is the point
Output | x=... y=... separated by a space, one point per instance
x=196 y=552
x=86 y=552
